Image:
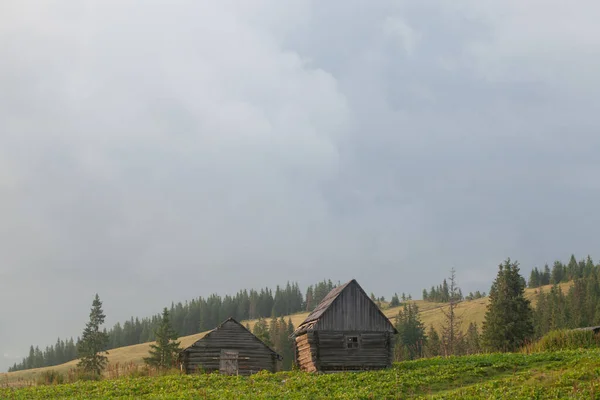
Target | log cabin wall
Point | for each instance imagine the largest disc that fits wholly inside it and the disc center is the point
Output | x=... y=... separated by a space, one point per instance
x=253 y=354
x=306 y=352
x=346 y=331
x=371 y=351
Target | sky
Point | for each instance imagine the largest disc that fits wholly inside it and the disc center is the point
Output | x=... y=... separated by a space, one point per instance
x=155 y=151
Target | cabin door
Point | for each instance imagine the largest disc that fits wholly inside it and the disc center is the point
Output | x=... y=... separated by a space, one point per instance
x=229 y=362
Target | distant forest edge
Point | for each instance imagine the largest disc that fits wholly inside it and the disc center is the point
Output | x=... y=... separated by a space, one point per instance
x=188 y=318
x=579 y=307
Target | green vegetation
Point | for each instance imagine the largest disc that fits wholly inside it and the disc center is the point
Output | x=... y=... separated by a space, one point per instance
x=572 y=374
x=411 y=337
x=565 y=339
x=508 y=321
x=164 y=352
x=93 y=342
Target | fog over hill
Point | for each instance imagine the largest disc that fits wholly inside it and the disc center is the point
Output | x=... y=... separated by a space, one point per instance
x=153 y=152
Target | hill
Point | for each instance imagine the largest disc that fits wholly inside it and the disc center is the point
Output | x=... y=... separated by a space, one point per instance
x=431 y=314
x=565 y=374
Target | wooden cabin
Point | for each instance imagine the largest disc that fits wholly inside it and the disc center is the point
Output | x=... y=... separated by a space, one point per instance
x=231 y=349
x=347 y=331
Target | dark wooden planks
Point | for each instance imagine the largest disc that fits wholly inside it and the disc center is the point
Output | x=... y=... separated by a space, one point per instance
x=353 y=310
x=253 y=354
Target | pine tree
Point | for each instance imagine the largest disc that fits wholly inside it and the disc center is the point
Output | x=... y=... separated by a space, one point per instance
x=164 y=353
x=508 y=320
x=92 y=347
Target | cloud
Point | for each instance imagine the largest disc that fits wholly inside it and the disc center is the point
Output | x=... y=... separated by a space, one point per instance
x=155 y=152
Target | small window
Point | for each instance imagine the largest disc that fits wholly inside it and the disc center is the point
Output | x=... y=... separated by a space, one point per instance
x=352 y=342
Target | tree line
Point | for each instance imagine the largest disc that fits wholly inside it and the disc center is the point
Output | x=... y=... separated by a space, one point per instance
x=510 y=320
x=190 y=317
x=578 y=307
x=61 y=352
x=560 y=272
x=441 y=293
x=276 y=334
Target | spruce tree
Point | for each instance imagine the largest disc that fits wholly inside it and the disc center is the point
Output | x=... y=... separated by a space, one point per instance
x=508 y=320
x=411 y=333
x=261 y=331
x=164 y=353
x=433 y=345
x=395 y=301
x=92 y=347
x=473 y=345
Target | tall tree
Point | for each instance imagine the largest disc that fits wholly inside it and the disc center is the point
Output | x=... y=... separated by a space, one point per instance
x=451 y=334
x=164 y=353
x=411 y=333
x=473 y=344
x=92 y=346
x=261 y=331
x=508 y=320
x=433 y=346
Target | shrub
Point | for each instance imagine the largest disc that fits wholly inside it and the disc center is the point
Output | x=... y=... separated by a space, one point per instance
x=78 y=374
x=50 y=377
x=565 y=339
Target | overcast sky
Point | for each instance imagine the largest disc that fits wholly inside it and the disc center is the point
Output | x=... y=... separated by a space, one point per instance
x=153 y=151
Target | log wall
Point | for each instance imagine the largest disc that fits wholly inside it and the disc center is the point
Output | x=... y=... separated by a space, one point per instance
x=253 y=355
x=328 y=351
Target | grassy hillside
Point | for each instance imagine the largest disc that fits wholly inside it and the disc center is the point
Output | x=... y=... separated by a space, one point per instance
x=567 y=374
x=431 y=314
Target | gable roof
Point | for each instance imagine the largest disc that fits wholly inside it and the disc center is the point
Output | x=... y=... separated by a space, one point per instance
x=326 y=304
x=220 y=326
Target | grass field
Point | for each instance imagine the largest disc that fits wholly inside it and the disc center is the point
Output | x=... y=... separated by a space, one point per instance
x=431 y=314
x=564 y=374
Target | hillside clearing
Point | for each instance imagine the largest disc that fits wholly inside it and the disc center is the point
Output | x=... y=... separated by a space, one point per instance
x=431 y=314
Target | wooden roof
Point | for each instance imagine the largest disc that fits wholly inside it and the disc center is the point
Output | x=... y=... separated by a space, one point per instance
x=232 y=320
x=329 y=301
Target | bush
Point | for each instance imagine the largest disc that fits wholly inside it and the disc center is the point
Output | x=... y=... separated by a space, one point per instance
x=50 y=377
x=566 y=339
x=78 y=374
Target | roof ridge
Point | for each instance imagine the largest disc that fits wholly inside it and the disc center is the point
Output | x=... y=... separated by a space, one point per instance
x=220 y=326
x=326 y=304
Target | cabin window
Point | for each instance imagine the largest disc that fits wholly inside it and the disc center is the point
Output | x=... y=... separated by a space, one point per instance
x=352 y=342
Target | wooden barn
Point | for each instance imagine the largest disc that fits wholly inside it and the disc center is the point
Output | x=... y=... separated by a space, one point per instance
x=231 y=349
x=347 y=331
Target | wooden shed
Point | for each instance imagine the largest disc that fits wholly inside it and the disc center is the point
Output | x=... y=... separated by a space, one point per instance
x=347 y=331
x=231 y=349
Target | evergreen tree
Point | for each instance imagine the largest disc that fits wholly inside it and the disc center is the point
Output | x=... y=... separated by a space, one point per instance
x=261 y=331
x=164 y=353
x=508 y=319
x=92 y=347
x=558 y=273
x=545 y=279
x=473 y=345
x=534 y=278
x=395 y=300
x=433 y=346
x=411 y=333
